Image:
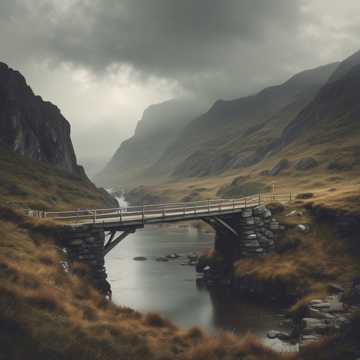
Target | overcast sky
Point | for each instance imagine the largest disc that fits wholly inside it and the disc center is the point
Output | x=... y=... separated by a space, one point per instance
x=103 y=61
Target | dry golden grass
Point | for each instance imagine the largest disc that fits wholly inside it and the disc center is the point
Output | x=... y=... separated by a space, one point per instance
x=318 y=259
x=47 y=313
x=26 y=183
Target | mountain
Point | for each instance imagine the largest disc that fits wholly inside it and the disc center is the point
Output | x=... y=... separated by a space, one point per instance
x=160 y=125
x=331 y=121
x=32 y=127
x=37 y=159
x=238 y=133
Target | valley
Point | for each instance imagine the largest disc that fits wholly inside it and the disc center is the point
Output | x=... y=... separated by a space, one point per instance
x=285 y=271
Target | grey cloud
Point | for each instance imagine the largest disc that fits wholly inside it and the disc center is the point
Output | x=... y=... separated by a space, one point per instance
x=198 y=43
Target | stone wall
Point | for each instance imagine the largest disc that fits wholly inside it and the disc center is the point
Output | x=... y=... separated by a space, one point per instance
x=256 y=229
x=85 y=245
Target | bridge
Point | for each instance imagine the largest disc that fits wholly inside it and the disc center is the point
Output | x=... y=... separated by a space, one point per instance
x=244 y=227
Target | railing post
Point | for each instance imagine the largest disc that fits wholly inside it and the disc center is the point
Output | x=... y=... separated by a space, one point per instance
x=290 y=196
x=259 y=198
x=120 y=215
x=208 y=206
x=163 y=211
x=245 y=203
x=143 y=215
x=94 y=216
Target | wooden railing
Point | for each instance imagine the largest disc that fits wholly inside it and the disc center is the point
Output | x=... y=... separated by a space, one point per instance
x=160 y=211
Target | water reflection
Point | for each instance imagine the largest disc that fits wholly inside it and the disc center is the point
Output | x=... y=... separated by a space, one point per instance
x=170 y=288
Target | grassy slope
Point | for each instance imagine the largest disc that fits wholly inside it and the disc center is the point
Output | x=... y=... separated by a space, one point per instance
x=26 y=183
x=46 y=313
x=319 y=259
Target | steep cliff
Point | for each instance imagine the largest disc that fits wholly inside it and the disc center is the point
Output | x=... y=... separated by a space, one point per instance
x=38 y=165
x=32 y=127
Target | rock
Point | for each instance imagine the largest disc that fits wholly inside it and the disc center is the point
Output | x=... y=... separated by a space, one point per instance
x=162 y=259
x=251 y=237
x=336 y=288
x=267 y=214
x=173 y=256
x=247 y=213
x=264 y=173
x=140 y=258
x=305 y=196
x=206 y=268
x=312 y=325
x=336 y=307
x=321 y=305
x=339 y=165
x=303 y=228
x=306 y=164
x=279 y=167
x=283 y=336
x=308 y=339
x=317 y=314
x=259 y=210
x=272 y=334
x=292 y=213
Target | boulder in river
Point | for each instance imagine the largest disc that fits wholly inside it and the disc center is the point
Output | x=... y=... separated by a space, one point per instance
x=140 y=258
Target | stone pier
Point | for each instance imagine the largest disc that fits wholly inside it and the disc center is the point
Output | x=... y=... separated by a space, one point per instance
x=246 y=234
x=85 y=245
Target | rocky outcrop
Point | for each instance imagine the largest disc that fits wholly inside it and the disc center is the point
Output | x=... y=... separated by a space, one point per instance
x=306 y=164
x=281 y=166
x=32 y=127
x=240 y=187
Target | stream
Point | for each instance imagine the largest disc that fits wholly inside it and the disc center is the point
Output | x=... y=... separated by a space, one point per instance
x=170 y=288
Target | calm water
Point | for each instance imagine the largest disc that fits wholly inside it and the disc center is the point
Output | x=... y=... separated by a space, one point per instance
x=170 y=288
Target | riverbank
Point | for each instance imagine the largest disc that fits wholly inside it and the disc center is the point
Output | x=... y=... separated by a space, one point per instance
x=313 y=256
x=48 y=311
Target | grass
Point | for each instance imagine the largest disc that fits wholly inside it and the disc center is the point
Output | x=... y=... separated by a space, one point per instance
x=25 y=183
x=47 y=313
x=308 y=262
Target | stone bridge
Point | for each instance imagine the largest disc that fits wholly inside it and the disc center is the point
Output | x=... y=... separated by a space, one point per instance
x=244 y=228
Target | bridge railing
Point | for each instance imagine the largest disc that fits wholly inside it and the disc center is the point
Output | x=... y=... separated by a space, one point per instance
x=142 y=213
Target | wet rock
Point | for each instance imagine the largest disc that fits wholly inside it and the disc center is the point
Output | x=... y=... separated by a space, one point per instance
x=336 y=288
x=302 y=228
x=272 y=334
x=311 y=325
x=173 y=256
x=140 y=258
x=162 y=259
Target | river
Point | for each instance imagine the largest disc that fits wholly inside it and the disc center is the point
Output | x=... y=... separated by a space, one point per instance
x=170 y=288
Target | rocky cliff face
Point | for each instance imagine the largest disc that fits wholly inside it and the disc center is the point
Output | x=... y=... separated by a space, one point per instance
x=32 y=127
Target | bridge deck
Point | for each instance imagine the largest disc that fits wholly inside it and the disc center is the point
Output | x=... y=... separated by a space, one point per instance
x=138 y=216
